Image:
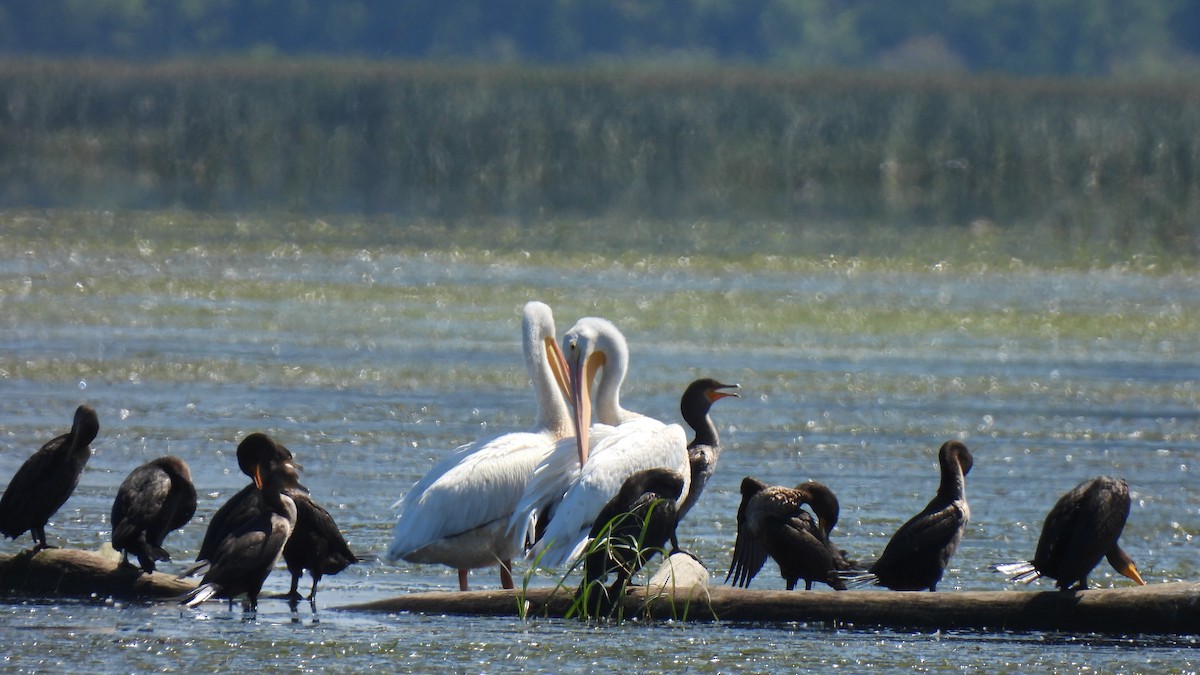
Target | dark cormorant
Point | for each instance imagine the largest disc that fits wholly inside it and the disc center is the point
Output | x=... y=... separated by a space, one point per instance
x=256 y=450
x=916 y=556
x=155 y=499
x=45 y=481
x=705 y=447
x=628 y=531
x=772 y=522
x=245 y=557
x=316 y=544
x=1082 y=528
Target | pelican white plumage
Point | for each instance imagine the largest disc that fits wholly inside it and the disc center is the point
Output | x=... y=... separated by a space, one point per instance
x=575 y=481
x=458 y=513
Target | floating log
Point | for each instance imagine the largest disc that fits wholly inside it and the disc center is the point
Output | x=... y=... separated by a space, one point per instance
x=1169 y=608
x=65 y=572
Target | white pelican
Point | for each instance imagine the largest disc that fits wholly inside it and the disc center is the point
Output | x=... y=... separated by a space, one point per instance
x=621 y=444
x=458 y=514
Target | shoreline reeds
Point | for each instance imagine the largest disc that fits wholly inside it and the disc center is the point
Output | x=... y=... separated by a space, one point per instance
x=1116 y=159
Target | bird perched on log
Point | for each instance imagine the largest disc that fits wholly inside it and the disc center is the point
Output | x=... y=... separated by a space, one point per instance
x=630 y=528
x=916 y=556
x=154 y=499
x=255 y=454
x=1082 y=528
x=772 y=522
x=46 y=480
x=245 y=557
x=705 y=448
x=316 y=544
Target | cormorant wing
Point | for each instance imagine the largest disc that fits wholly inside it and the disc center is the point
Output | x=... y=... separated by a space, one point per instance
x=749 y=555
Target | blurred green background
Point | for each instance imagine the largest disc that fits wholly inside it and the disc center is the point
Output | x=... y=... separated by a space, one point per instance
x=1071 y=122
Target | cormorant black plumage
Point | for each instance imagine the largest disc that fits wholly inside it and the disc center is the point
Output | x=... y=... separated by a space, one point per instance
x=1082 y=528
x=156 y=498
x=705 y=447
x=245 y=557
x=316 y=544
x=772 y=522
x=916 y=556
x=46 y=480
x=632 y=527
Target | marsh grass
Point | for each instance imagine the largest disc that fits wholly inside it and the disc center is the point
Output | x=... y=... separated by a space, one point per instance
x=592 y=599
x=1096 y=161
x=615 y=550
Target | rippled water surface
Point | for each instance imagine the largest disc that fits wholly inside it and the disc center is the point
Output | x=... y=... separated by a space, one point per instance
x=371 y=353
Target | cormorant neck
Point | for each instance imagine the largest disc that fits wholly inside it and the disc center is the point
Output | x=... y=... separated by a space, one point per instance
x=706 y=431
x=279 y=501
x=953 y=485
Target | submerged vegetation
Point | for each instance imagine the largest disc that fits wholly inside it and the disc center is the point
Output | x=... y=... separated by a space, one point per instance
x=362 y=288
x=1105 y=165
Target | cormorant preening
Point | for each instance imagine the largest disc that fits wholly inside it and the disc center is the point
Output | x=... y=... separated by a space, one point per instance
x=316 y=543
x=154 y=499
x=1082 y=528
x=255 y=451
x=772 y=522
x=245 y=557
x=45 y=481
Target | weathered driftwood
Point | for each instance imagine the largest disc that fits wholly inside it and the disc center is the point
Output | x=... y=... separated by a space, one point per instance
x=1159 y=608
x=68 y=572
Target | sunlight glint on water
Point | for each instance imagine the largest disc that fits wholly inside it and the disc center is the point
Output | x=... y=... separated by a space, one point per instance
x=372 y=363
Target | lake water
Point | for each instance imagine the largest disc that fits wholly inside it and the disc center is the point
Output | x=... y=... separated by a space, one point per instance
x=372 y=349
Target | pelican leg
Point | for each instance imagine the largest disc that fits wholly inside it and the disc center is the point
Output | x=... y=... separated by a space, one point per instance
x=462 y=580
